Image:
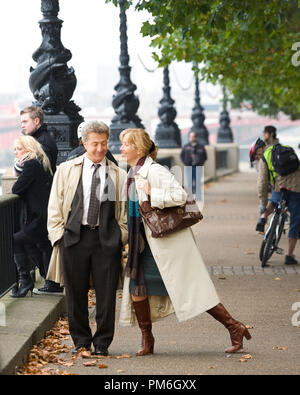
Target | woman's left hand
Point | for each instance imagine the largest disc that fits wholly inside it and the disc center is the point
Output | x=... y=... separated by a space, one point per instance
x=144 y=186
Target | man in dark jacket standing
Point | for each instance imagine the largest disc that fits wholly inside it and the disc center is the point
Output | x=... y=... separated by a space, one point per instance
x=32 y=123
x=193 y=156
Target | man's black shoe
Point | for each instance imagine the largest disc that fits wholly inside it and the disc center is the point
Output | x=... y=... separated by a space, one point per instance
x=50 y=288
x=100 y=350
x=260 y=226
x=81 y=347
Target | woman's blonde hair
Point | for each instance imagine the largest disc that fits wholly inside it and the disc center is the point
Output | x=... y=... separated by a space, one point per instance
x=34 y=150
x=141 y=140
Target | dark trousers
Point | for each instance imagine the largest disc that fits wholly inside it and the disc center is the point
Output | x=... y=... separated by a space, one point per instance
x=78 y=261
x=38 y=252
x=24 y=243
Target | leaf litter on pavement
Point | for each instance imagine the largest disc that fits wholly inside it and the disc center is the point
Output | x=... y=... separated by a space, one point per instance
x=50 y=352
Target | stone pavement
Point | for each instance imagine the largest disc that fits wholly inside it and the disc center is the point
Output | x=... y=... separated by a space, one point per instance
x=268 y=300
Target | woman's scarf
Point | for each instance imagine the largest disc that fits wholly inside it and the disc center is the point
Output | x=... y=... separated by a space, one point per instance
x=19 y=164
x=133 y=268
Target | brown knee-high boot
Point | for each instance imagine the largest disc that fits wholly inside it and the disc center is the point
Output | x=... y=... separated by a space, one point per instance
x=236 y=329
x=142 y=311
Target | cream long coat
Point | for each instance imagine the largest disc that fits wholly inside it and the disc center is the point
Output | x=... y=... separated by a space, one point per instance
x=62 y=193
x=190 y=288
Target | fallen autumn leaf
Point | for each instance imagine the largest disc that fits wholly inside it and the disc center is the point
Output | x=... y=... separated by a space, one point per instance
x=92 y=362
x=279 y=348
x=123 y=356
x=245 y=358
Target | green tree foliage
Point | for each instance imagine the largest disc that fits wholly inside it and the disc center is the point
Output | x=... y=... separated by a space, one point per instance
x=245 y=45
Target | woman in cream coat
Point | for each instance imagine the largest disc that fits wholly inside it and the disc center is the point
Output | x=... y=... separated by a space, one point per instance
x=174 y=276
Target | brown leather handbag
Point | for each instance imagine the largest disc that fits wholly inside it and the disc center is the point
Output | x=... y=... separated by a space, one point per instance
x=169 y=219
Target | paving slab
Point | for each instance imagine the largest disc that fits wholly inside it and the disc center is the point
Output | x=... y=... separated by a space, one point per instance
x=196 y=347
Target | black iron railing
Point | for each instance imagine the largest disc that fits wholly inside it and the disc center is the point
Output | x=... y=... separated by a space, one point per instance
x=9 y=222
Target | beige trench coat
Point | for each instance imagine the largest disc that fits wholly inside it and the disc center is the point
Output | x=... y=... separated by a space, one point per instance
x=63 y=189
x=190 y=288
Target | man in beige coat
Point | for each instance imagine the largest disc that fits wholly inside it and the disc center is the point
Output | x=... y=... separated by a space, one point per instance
x=87 y=226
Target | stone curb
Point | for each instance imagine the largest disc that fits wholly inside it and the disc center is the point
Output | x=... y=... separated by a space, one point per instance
x=28 y=319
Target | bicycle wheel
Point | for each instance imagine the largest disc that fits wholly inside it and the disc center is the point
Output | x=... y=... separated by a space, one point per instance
x=263 y=244
x=269 y=243
x=280 y=228
x=262 y=250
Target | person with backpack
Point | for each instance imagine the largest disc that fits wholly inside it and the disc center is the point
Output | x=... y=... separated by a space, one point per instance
x=279 y=165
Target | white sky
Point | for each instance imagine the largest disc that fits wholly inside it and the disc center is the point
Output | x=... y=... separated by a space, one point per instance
x=91 y=32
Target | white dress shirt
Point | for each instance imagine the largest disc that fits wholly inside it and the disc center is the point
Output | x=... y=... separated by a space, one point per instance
x=87 y=174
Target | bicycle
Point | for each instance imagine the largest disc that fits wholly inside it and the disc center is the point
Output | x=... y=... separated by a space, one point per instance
x=275 y=229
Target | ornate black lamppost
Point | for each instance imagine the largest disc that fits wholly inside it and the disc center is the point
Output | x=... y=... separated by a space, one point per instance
x=125 y=102
x=225 y=134
x=167 y=134
x=198 y=117
x=52 y=82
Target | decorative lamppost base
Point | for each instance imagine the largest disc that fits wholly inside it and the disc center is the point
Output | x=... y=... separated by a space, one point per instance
x=125 y=102
x=168 y=136
x=198 y=116
x=202 y=135
x=225 y=136
x=114 y=143
x=53 y=83
x=64 y=131
x=167 y=133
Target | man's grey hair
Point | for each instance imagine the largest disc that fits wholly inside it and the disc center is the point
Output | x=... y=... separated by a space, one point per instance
x=94 y=127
